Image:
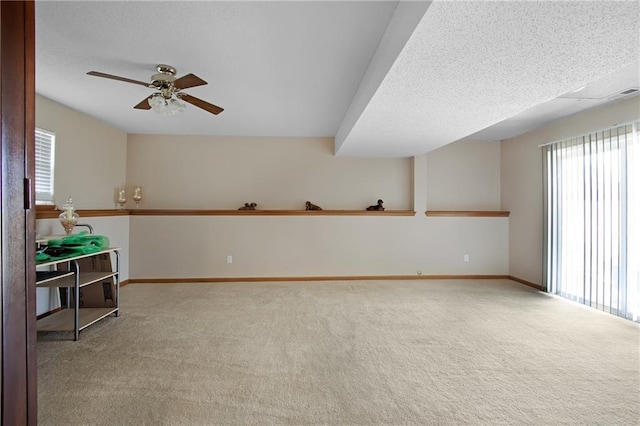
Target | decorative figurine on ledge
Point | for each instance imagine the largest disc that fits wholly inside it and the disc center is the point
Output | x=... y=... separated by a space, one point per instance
x=377 y=206
x=311 y=206
x=248 y=206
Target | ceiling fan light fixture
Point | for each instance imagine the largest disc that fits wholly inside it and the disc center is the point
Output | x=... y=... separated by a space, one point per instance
x=166 y=106
x=168 y=98
x=156 y=102
x=177 y=105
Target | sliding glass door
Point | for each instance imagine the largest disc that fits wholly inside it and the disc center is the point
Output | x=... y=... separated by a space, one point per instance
x=592 y=220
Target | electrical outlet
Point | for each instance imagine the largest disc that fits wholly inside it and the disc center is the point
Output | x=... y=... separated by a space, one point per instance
x=466 y=257
x=229 y=259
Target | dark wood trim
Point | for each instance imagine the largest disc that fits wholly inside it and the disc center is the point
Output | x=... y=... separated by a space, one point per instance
x=101 y=213
x=163 y=212
x=40 y=208
x=53 y=214
x=30 y=166
x=467 y=213
x=525 y=282
x=319 y=278
x=18 y=390
x=125 y=282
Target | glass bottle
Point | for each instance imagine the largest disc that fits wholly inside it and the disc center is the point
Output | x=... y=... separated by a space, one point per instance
x=68 y=218
x=122 y=198
x=137 y=195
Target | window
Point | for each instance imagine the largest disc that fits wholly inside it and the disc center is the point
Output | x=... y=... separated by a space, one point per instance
x=45 y=144
x=592 y=220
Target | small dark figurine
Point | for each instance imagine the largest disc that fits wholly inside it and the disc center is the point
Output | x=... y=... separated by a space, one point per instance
x=377 y=206
x=248 y=206
x=311 y=206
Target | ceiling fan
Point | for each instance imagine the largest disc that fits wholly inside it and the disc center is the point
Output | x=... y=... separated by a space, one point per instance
x=169 y=91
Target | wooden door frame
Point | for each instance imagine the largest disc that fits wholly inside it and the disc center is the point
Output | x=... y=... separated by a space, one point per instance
x=18 y=390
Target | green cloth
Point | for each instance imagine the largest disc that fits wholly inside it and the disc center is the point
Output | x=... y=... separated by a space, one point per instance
x=71 y=246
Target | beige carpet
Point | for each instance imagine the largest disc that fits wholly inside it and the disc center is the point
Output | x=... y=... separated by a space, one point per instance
x=343 y=353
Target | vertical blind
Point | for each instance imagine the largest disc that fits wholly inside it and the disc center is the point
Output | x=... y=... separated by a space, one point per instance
x=592 y=220
x=45 y=142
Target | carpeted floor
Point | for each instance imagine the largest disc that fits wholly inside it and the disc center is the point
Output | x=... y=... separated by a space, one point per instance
x=343 y=353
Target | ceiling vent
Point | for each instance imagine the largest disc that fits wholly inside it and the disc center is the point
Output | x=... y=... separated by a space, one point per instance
x=630 y=91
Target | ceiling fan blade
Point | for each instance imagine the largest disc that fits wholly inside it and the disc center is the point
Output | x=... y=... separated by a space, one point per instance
x=188 y=80
x=144 y=104
x=115 y=77
x=213 y=109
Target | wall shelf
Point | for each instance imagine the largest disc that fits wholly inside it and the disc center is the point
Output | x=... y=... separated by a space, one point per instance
x=160 y=212
x=466 y=213
x=49 y=212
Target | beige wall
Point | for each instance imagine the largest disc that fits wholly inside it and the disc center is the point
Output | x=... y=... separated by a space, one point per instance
x=201 y=172
x=90 y=156
x=464 y=176
x=90 y=162
x=183 y=172
x=307 y=246
x=214 y=172
x=522 y=181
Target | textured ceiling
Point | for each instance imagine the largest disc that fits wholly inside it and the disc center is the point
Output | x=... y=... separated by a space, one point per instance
x=384 y=78
x=605 y=90
x=470 y=65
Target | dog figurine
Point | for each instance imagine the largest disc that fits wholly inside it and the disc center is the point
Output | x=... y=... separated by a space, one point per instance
x=376 y=207
x=311 y=206
x=248 y=206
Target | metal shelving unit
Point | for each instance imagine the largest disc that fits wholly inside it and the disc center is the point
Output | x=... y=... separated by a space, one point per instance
x=73 y=318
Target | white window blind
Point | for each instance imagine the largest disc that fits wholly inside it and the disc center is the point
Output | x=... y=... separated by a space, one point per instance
x=45 y=145
x=592 y=220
